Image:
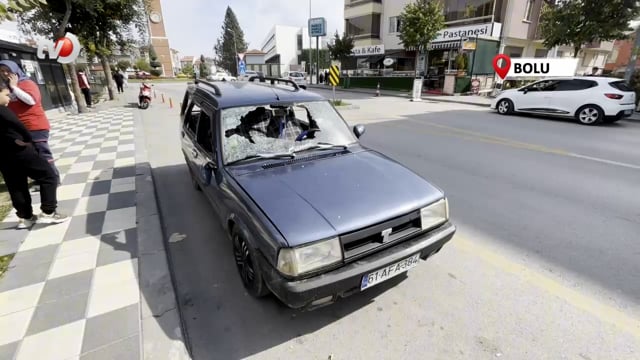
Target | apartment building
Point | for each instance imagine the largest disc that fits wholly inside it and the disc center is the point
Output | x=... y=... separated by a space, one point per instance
x=281 y=49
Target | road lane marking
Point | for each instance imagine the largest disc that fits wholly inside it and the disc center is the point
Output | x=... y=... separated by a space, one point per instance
x=604 y=313
x=472 y=135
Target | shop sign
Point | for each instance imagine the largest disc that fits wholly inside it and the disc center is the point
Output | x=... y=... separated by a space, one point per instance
x=469 y=31
x=368 y=50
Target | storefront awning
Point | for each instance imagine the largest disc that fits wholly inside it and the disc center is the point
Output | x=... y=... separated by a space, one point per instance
x=444 y=45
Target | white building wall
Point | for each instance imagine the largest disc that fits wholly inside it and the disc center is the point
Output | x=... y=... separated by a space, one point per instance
x=393 y=8
x=283 y=40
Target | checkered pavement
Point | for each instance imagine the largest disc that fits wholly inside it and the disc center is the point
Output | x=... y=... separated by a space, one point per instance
x=72 y=291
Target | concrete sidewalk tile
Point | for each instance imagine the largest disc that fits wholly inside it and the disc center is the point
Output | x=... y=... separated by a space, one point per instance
x=150 y=238
x=102 y=157
x=145 y=199
x=57 y=313
x=65 y=286
x=111 y=296
x=12 y=238
x=155 y=284
x=127 y=161
x=108 y=328
x=100 y=187
x=81 y=226
x=128 y=348
x=125 y=187
x=124 y=172
x=20 y=299
x=121 y=200
x=13 y=326
x=162 y=337
x=103 y=164
x=119 y=219
x=80 y=167
x=16 y=277
x=100 y=175
x=67 y=192
x=43 y=235
x=8 y=351
x=73 y=264
x=84 y=158
x=55 y=344
x=118 y=246
x=78 y=178
x=91 y=204
x=35 y=256
x=78 y=246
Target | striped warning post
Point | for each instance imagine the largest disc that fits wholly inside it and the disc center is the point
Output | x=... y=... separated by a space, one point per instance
x=334 y=75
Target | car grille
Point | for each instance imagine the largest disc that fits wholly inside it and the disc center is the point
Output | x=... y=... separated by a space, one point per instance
x=361 y=242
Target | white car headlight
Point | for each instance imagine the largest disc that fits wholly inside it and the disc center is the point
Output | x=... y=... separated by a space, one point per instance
x=304 y=259
x=434 y=214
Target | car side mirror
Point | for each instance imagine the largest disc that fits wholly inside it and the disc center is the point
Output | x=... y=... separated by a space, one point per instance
x=359 y=130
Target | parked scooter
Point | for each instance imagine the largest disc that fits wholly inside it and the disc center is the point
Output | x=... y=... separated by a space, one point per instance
x=144 y=97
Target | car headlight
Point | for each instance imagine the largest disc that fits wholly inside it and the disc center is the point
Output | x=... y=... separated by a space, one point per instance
x=304 y=259
x=434 y=214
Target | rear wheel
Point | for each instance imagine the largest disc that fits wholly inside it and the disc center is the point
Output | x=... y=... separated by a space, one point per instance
x=246 y=263
x=505 y=107
x=590 y=115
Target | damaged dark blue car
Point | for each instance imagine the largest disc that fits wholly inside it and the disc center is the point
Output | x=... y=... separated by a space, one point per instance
x=312 y=214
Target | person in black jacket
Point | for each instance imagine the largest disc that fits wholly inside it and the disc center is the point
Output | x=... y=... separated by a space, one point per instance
x=19 y=160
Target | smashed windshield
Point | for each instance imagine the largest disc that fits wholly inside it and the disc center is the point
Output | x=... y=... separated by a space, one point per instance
x=261 y=131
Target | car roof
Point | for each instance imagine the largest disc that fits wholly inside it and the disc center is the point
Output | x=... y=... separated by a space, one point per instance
x=598 y=79
x=241 y=93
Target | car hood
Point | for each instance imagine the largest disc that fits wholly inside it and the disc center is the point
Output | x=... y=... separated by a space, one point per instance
x=313 y=200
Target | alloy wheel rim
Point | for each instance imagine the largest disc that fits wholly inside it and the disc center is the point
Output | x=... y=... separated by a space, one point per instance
x=589 y=115
x=503 y=107
x=243 y=260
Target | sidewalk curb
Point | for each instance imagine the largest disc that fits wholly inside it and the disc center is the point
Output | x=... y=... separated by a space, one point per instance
x=443 y=98
x=161 y=326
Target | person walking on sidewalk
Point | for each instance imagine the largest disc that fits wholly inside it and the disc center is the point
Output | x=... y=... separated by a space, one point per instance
x=20 y=160
x=84 y=87
x=119 y=79
x=26 y=104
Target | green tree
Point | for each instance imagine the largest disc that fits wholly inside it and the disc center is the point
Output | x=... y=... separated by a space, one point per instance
x=420 y=23
x=142 y=65
x=12 y=7
x=232 y=38
x=325 y=57
x=579 y=22
x=187 y=69
x=341 y=47
x=123 y=65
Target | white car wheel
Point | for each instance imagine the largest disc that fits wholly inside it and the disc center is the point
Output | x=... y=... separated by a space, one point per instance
x=589 y=115
x=505 y=107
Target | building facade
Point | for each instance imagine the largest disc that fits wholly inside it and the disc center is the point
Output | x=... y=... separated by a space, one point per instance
x=282 y=48
x=159 y=38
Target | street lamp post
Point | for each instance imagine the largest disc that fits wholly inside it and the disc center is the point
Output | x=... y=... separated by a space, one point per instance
x=235 y=47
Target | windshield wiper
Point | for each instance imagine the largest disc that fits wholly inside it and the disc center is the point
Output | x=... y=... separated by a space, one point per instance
x=283 y=155
x=321 y=146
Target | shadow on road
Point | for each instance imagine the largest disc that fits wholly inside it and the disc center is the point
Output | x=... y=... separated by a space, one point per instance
x=222 y=321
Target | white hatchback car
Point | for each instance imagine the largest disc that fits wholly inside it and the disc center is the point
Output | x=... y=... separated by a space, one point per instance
x=296 y=76
x=590 y=99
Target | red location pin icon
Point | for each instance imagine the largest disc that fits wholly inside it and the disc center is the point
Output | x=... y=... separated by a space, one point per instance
x=504 y=70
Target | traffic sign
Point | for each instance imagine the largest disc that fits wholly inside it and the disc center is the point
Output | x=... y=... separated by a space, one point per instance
x=317 y=27
x=243 y=67
x=334 y=75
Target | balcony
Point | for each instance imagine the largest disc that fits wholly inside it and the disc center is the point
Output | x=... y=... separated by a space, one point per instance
x=352 y=3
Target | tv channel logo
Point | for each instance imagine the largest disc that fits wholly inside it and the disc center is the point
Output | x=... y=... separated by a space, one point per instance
x=66 y=49
x=507 y=67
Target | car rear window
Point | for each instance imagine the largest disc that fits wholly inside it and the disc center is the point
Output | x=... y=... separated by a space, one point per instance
x=620 y=85
x=296 y=74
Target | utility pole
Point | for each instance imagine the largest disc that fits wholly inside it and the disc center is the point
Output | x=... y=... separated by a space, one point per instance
x=631 y=66
x=310 y=47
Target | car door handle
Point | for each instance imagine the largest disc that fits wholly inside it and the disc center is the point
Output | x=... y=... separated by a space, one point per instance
x=194 y=153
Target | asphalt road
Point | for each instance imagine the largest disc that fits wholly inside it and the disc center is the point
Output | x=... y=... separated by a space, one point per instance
x=544 y=265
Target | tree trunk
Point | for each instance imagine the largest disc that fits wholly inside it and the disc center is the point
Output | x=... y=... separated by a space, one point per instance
x=75 y=87
x=576 y=50
x=71 y=67
x=426 y=63
x=417 y=61
x=107 y=73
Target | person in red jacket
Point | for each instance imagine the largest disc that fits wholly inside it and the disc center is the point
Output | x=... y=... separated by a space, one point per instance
x=26 y=103
x=83 y=81
x=19 y=160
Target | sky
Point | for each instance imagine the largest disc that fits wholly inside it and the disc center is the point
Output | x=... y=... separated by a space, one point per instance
x=193 y=26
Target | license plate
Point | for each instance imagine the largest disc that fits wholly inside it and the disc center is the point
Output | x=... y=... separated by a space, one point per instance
x=628 y=112
x=389 y=271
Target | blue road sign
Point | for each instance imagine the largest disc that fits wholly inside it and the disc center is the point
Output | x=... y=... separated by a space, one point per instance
x=242 y=66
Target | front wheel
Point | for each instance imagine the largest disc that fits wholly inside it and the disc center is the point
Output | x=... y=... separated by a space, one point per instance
x=505 y=107
x=590 y=115
x=247 y=265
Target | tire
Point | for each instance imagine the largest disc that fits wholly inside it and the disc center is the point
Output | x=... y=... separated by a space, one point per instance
x=505 y=107
x=246 y=262
x=144 y=105
x=589 y=115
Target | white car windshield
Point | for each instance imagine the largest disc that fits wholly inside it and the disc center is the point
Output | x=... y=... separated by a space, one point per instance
x=272 y=130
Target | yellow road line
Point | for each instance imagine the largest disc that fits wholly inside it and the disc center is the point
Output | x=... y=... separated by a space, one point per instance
x=604 y=313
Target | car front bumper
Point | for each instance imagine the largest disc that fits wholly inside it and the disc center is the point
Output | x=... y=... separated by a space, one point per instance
x=346 y=280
